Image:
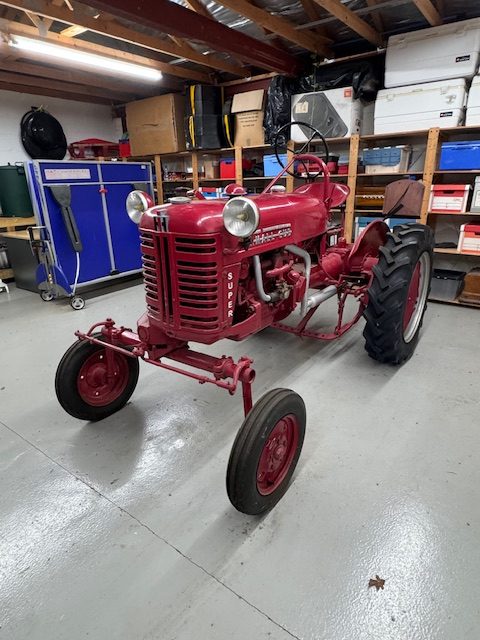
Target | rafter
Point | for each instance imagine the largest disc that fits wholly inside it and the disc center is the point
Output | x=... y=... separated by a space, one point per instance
x=280 y=26
x=54 y=93
x=66 y=87
x=15 y=28
x=108 y=26
x=198 y=7
x=172 y=18
x=354 y=22
x=429 y=12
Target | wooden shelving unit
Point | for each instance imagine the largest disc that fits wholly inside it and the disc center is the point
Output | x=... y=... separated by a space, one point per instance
x=8 y=225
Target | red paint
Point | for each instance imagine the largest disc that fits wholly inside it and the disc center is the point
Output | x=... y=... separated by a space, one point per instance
x=277 y=455
x=412 y=297
x=101 y=382
x=200 y=286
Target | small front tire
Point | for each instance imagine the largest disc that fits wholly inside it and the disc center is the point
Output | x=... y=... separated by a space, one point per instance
x=83 y=386
x=266 y=451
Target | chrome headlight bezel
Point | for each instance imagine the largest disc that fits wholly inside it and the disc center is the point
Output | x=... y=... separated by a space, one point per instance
x=251 y=222
x=136 y=204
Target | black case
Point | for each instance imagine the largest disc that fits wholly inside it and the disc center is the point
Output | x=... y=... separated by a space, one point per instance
x=204 y=132
x=203 y=99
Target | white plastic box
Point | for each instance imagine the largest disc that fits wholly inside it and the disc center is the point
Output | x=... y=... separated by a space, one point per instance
x=439 y=53
x=449 y=198
x=387 y=159
x=473 y=103
x=334 y=113
x=421 y=106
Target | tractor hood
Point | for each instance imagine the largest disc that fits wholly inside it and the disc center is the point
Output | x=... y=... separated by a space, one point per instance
x=302 y=212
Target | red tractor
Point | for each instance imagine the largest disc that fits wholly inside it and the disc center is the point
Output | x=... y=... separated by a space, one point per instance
x=215 y=270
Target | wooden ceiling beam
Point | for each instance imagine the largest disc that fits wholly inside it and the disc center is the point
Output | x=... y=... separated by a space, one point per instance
x=108 y=26
x=429 y=12
x=66 y=87
x=16 y=28
x=53 y=93
x=177 y=20
x=281 y=27
x=351 y=20
x=198 y=7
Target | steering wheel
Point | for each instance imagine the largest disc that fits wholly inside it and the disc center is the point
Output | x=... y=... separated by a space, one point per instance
x=315 y=134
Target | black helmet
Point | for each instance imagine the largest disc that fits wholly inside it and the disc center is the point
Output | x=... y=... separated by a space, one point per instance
x=42 y=135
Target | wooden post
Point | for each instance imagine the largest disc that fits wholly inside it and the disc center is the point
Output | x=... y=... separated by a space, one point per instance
x=195 y=178
x=290 y=183
x=159 y=178
x=352 y=183
x=238 y=166
x=429 y=170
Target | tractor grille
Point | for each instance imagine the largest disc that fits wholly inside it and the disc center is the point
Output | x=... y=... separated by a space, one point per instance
x=182 y=281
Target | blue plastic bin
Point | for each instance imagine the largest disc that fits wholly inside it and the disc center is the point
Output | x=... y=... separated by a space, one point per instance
x=460 y=155
x=271 y=166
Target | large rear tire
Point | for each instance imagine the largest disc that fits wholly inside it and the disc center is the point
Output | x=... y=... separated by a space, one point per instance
x=83 y=387
x=266 y=451
x=397 y=297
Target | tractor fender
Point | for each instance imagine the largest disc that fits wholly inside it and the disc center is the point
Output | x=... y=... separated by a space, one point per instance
x=367 y=244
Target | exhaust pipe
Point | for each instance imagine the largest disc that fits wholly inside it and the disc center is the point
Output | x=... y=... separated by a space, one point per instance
x=320 y=296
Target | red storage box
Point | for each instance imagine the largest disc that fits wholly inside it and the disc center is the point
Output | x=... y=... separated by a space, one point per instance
x=227 y=167
x=93 y=148
x=449 y=198
x=469 y=241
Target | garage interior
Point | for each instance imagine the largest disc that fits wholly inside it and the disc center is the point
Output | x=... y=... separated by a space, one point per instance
x=323 y=156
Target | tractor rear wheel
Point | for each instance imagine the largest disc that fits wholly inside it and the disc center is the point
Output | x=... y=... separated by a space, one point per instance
x=398 y=295
x=266 y=451
x=84 y=387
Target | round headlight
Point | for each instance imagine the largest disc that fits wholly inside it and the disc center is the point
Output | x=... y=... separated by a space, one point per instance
x=241 y=217
x=137 y=203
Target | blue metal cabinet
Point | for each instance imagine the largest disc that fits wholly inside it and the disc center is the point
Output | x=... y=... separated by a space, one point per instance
x=97 y=190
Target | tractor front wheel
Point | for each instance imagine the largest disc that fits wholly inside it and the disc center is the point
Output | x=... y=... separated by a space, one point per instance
x=398 y=295
x=90 y=387
x=266 y=451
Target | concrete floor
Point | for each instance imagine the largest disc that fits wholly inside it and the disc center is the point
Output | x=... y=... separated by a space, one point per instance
x=122 y=530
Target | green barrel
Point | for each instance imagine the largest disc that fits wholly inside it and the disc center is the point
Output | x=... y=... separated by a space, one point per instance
x=14 y=197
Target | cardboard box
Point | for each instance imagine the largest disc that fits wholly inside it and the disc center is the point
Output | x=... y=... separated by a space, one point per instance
x=155 y=125
x=211 y=169
x=248 y=110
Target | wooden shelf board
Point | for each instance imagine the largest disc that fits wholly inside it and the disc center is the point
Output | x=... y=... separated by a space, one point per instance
x=457 y=171
x=10 y=224
x=393 y=173
x=6 y=274
x=456 y=301
x=398 y=134
x=455 y=252
x=174 y=181
x=449 y=213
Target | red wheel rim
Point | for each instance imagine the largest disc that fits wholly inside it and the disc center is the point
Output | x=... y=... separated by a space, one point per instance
x=277 y=455
x=412 y=297
x=97 y=384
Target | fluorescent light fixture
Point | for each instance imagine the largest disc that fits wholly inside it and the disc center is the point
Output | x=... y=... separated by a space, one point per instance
x=87 y=59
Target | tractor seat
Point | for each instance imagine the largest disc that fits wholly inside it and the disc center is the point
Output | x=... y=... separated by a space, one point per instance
x=338 y=192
